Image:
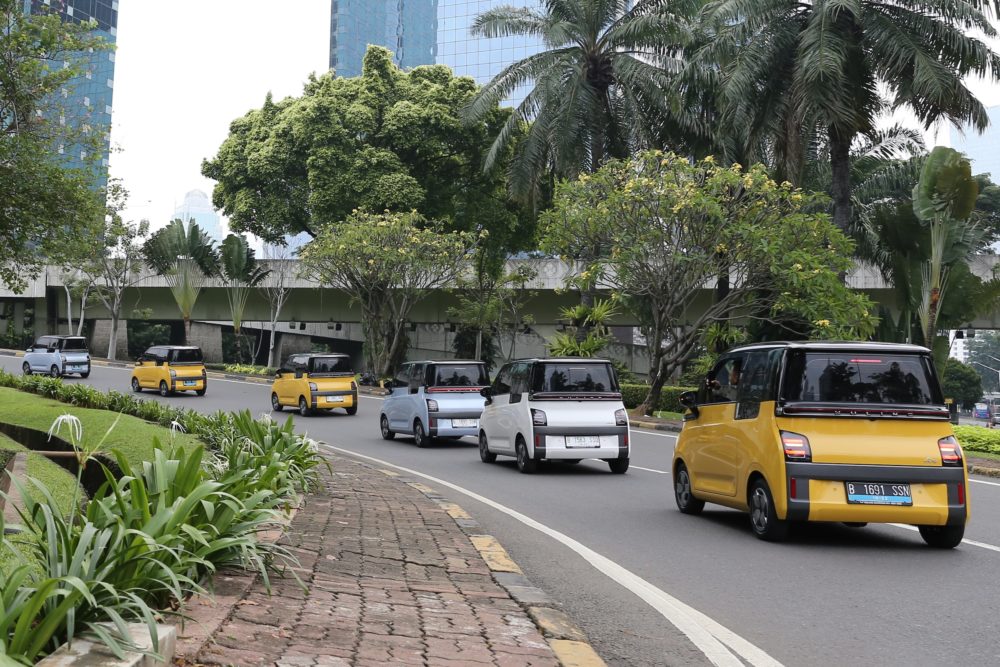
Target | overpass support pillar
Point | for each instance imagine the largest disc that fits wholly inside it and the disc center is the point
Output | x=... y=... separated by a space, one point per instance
x=101 y=337
x=209 y=338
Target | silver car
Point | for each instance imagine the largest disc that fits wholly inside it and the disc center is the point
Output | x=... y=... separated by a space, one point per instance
x=58 y=356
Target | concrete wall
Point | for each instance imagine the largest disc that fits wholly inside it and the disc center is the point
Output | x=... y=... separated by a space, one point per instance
x=209 y=338
x=101 y=336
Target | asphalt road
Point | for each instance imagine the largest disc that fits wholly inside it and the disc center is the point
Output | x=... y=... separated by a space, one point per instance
x=832 y=595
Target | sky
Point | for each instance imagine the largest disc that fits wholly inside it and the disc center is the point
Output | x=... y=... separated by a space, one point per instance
x=184 y=69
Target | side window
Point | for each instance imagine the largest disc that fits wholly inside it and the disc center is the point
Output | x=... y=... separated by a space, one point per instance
x=402 y=377
x=288 y=365
x=501 y=385
x=416 y=377
x=724 y=379
x=756 y=382
x=518 y=381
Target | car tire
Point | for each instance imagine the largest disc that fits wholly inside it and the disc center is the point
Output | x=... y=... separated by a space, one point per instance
x=524 y=464
x=855 y=524
x=420 y=438
x=164 y=388
x=485 y=455
x=276 y=405
x=684 y=492
x=764 y=519
x=618 y=466
x=387 y=433
x=85 y=375
x=200 y=392
x=136 y=387
x=353 y=410
x=942 y=537
x=54 y=371
x=26 y=368
x=304 y=408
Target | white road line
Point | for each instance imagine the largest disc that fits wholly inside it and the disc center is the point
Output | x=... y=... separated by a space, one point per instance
x=981 y=545
x=662 y=472
x=642 y=431
x=983 y=481
x=710 y=637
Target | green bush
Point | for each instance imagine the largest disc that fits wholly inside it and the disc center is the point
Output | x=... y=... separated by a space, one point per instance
x=978 y=439
x=633 y=395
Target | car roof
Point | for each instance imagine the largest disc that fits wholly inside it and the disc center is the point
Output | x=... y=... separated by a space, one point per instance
x=313 y=355
x=564 y=360
x=845 y=345
x=445 y=361
x=61 y=336
x=176 y=347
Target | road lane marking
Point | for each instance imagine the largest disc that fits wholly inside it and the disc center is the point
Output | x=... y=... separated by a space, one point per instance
x=709 y=636
x=661 y=472
x=642 y=431
x=983 y=481
x=981 y=545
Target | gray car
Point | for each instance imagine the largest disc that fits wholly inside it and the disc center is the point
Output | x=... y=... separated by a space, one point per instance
x=58 y=356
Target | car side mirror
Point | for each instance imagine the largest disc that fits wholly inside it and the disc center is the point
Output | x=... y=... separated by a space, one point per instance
x=689 y=399
x=486 y=392
x=278 y=374
x=414 y=390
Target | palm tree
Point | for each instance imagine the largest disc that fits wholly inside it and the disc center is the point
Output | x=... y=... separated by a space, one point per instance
x=796 y=72
x=599 y=88
x=185 y=256
x=240 y=273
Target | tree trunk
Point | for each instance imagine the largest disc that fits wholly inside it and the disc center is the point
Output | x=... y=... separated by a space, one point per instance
x=270 y=345
x=187 y=330
x=479 y=344
x=83 y=310
x=840 y=165
x=722 y=289
x=652 y=400
x=113 y=340
x=69 y=311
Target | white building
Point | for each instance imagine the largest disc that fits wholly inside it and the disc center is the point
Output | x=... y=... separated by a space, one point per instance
x=198 y=207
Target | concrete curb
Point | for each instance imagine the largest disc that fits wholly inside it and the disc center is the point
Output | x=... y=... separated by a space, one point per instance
x=87 y=653
x=985 y=471
x=567 y=640
x=655 y=426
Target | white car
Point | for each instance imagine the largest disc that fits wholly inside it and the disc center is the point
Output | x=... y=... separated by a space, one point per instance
x=557 y=410
x=57 y=356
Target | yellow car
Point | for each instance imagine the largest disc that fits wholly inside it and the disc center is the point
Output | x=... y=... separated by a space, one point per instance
x=170 y=368
x=847 y=432
x=312 y=382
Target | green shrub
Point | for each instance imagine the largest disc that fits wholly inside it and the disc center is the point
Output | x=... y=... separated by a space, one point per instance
x=978 y=439
x=634 y=394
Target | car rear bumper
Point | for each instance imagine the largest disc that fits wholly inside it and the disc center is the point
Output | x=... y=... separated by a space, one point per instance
x=440 y=423
x=321 y=400
x=550 y=442
x=178 y=384
x=939 y=494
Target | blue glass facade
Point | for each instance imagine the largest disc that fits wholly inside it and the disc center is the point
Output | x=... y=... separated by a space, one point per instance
x=86 y=102
x=407 y=27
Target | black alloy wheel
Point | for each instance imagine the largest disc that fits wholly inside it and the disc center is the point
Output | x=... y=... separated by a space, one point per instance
x=164 y=388
x=54 y=371
x=763 y=518
x=420 y=438
x=485 y=455
x=135 y=385
x=304 y=408
x=275 y=403
x=387 y=433
x=525 y=464
x=683 y=495
x=26 y=368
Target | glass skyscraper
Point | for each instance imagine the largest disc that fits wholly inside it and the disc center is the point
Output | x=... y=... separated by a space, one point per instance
x=87 y=100
x=407 y=27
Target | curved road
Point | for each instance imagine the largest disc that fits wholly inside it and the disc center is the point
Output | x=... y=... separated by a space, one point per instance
x=832 y=595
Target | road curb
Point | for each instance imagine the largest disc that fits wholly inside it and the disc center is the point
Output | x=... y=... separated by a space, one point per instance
x=567 y=640
x=655 y=426
x=983 y=470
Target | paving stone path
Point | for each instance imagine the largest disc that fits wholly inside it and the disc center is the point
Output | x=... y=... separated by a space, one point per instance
x=391 y=580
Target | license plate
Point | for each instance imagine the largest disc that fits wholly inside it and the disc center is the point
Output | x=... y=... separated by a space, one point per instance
x=334 y=399
x=190 y=383
x=76 y=367
x=583 y=441
x=878 y=493
x=464 y=423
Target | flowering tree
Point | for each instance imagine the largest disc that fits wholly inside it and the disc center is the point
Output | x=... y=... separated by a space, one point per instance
x=386 y=262
x=668 y=230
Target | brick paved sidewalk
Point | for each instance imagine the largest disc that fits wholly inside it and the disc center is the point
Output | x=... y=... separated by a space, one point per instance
x=391 y=579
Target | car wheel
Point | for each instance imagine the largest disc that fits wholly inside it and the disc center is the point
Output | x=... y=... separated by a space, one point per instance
x=275 y=403
x=420 y=438
x=304 y=408
x=942 y=537
x=353 y=410
x=164 y=388
x=135 y=385
x=387 y=433
x=26 y=368
x=54 y=371
x=85 y=375
x=618 y=466
x=683 y=495
x=763 y=518
x=484 y=449
x=524 y=464
x=200 y=392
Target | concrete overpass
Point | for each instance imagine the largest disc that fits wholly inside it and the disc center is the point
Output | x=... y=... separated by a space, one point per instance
x=316 y=312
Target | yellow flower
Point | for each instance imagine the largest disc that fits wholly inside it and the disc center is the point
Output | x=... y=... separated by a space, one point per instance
x=721 y=248
x=797 y=266
x=822 y=323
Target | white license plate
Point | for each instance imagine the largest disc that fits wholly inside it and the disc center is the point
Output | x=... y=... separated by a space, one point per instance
x=76 y=367
x=583 y=441
x=334 y=399
x=190 y=383
x=464 y=423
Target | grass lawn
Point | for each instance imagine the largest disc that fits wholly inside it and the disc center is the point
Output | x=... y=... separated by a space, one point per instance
x=131 y=436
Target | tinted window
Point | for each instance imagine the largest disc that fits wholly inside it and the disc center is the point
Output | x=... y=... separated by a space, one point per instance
x=324 y=365
x=402 y=378
x=417 y=375
x=502 y=383
x=185 y=356
x=459 y=375
x=573 y=377
x=757 y=382
x=45 y=342
x=722 y=382
x=861 y=377
x=74 y=344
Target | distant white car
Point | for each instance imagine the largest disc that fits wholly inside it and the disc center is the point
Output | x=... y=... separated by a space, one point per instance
x=557 y=410
x=57 y=356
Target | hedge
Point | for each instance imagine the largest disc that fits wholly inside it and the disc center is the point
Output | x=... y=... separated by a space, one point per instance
x=633 y=395
x=978 y=439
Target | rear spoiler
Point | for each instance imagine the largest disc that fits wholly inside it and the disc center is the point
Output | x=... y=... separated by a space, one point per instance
x=452 y=390
x=930 y=412
x=576 y=396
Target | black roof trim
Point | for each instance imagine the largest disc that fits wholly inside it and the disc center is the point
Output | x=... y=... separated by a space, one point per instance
x=845 y=345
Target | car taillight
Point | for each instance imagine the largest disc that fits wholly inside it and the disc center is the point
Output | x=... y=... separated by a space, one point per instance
x=538 y=417
x=312 y=386
x=354 y=385
x=432 y=405
x=621 y=419
x=951 y=451
x=796 y=447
